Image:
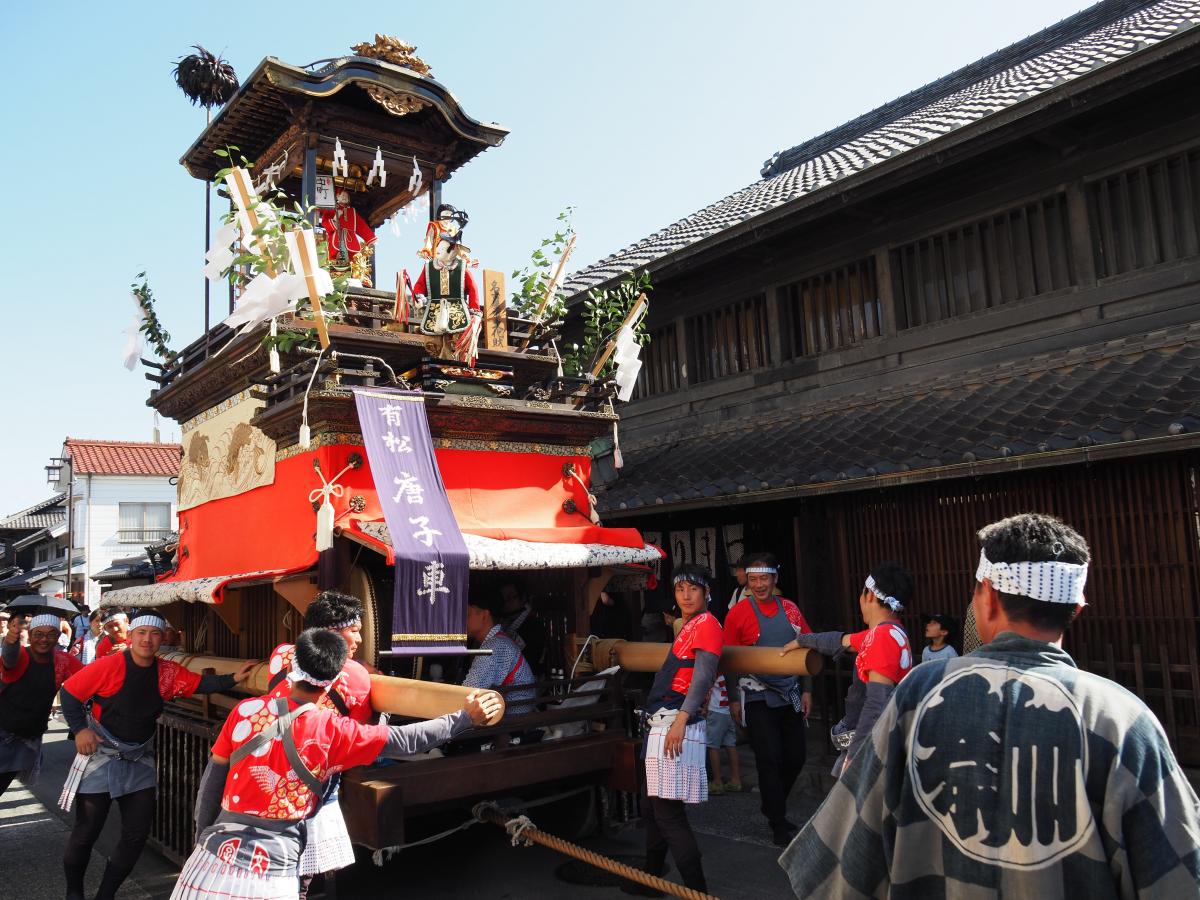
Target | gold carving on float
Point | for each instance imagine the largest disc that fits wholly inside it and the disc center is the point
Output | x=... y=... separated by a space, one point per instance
x=509 y=447
x=395 y=51
x=397 y=638
x=224 y=455
x=397 y=103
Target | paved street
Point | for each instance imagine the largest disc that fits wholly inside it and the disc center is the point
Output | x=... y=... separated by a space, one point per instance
x=738 y=856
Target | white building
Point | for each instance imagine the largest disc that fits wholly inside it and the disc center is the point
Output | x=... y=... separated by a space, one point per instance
x=123 y=496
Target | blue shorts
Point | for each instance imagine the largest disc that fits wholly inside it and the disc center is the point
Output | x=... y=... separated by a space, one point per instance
x=720 y=731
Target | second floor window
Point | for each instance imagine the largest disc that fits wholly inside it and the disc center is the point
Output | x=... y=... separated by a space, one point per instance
x=144 y=522
x=729 y=340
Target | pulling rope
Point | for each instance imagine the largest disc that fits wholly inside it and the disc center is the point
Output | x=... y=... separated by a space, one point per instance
x=522 y=831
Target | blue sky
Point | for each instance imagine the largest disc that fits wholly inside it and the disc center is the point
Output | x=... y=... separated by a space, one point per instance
x=635 y=113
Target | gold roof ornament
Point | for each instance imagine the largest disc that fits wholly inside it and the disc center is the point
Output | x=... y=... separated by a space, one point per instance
x=393 y=50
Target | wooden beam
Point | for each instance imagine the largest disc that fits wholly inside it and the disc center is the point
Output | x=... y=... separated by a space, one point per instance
x=887 y=296
x=1081 y=234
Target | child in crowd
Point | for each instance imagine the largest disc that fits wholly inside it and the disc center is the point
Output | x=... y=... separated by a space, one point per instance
x=937 y=632
x=721 y=732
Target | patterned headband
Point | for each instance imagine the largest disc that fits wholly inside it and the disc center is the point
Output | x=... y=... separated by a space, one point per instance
x=693 y=578
x=886 y=599
x=298 y=674
x=762 y=570
x=149 y=620
x=357 y=620
x=45 y=620
x=1049 y=582
x=114 y=616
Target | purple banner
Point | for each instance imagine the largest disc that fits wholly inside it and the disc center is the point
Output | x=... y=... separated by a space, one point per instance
x=430 y=609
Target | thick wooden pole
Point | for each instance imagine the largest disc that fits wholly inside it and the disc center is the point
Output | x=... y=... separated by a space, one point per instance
x=396 y=696
x=647 y=657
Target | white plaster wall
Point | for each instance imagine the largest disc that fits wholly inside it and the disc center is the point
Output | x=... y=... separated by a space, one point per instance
x=101 y=523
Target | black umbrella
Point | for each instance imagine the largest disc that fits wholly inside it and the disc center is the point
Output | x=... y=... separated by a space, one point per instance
x=33 y=604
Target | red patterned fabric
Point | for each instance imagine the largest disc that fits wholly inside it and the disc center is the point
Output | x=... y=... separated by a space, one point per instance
x=884 y=649
x=65 y=665
x=741 y=625
x=702 y=632
x=263 y=784
x=353 y=683
x=104 y=678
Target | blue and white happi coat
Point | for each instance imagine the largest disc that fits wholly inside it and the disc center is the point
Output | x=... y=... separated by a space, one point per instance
x=1006 y=773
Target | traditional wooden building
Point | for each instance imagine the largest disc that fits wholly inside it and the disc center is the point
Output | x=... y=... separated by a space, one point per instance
x=978 y=299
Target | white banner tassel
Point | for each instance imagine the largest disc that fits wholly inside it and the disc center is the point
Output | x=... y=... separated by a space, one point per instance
x=274 y=354
x=325 y=516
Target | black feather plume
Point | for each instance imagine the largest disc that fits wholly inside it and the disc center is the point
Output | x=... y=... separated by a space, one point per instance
x=206 y=79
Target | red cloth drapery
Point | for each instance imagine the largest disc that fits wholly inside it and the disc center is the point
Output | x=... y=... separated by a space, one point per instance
x=501 y=495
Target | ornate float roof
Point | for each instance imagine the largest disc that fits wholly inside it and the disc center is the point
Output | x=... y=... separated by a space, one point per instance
x=271 y=98
x=1110 y=399
x=923 y=122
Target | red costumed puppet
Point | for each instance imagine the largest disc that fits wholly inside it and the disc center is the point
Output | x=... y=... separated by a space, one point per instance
x=453 y=314
x=350 y=240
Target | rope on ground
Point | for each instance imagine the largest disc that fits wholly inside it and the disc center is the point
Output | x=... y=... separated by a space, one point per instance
x=523 y=830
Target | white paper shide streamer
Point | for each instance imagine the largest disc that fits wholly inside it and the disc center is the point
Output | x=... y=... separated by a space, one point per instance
x=377 y=169
x=339 y=159
x=134 y=340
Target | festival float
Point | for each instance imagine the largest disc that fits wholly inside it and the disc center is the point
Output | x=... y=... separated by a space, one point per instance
x=407 y=444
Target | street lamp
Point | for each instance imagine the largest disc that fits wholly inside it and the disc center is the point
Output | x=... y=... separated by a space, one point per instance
x=54 y=476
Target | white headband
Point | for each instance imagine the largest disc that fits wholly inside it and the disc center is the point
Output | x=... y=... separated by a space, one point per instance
x=346 y=624
x=298 y=674
x=886 y=599
x=149 y=620
x=762 y=570
x=1050 y=582
x=41 y=621
x=112 y=617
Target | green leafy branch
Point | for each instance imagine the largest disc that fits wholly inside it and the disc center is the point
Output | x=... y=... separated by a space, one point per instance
x=532 y=280
x=603 y=313
x=156 y=336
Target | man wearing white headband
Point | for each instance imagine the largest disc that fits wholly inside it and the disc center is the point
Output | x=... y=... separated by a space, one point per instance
x=115 y=624
x=112 y=706
x=1008 y=772
x=270 y=766
x=30 y=677
x=772 y=707
x=328 y=847
x=883 y=651
x=675 y=747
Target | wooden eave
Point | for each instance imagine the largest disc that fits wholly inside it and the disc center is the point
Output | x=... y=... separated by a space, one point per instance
x=1022 y=462
x=269 y=100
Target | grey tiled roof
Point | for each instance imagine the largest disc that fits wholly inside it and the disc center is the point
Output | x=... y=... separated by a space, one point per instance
x=1105 y=394
x=40 y=515
x=1034 y=67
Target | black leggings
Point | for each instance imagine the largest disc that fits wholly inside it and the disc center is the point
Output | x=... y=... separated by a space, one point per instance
x=778 y=740
x=137 y=815
x=667 y=828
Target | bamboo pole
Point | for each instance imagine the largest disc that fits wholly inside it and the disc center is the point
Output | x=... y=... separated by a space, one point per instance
x=550 y=289
x=307 y=266
x=397 y=696
x=648 y=657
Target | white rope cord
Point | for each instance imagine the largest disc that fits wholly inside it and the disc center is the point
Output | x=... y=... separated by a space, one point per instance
x=516 y=829
x=379 y=857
